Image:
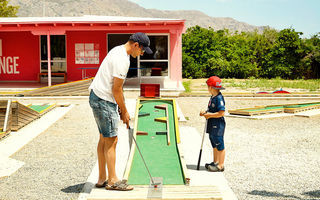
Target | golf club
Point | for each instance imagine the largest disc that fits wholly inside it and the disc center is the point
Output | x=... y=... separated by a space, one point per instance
x=204 y=133
x=153 y=183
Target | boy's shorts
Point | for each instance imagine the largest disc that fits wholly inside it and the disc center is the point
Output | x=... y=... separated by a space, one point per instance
x=105 y=114
x=216 y=137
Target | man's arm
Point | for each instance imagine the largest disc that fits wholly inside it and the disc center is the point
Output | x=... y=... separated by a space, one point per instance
x=118 y=96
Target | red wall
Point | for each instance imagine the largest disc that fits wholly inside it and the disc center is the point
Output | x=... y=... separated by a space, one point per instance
x=95 y=37
x=23 y=48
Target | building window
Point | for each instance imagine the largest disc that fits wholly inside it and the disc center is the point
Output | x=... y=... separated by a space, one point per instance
x=156 y=64
x=119 y=39
x=58 y=53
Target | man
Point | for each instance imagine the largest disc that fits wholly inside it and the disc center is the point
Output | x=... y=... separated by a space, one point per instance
x=106 y=96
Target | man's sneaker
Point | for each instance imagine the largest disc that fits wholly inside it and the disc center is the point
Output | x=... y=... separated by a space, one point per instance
x=215 y=169
x=211 y=164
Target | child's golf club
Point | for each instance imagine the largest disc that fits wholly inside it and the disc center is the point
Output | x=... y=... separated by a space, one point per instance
x=204 y=133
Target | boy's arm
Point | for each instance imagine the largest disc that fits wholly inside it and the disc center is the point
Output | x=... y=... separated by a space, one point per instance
x=218 y=114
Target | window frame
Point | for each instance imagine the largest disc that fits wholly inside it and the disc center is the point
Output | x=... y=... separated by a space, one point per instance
x=142 y=60
x=51 y=60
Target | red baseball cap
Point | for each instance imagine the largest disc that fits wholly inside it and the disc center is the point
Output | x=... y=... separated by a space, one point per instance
x=215 y=82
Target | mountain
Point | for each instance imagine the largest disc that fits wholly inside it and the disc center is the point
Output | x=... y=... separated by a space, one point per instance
x=59 y=8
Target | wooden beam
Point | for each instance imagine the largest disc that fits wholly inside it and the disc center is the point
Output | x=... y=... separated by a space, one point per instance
x=168 y=127
x=142 y=133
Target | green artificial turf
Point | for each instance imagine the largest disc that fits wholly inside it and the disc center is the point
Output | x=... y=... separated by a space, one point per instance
x=39 y=108
x=162 y=160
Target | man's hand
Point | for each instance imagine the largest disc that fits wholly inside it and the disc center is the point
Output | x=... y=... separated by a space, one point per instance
x=125 y=117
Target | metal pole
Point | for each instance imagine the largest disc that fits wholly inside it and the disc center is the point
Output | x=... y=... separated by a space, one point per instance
x=49 y=59
x=5 y=124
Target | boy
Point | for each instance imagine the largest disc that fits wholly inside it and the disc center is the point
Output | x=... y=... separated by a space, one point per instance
x=215 y=123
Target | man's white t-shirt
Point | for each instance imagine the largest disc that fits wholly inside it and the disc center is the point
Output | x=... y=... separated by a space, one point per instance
x=115 y=64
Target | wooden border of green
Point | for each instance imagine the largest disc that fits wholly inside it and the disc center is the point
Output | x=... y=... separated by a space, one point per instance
x=176 y=121
x=178 y=141
x=180 y=152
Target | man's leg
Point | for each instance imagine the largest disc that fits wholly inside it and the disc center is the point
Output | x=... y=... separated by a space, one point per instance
x=101 y=161
x=110 y=145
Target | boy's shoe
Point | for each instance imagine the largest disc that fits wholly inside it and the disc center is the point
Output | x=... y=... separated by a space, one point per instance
x=211 y=164
x=215 y=169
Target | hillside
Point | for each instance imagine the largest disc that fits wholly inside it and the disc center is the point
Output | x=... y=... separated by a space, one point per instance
x=57 y=8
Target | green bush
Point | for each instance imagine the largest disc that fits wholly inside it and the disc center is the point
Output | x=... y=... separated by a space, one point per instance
x=249 y=54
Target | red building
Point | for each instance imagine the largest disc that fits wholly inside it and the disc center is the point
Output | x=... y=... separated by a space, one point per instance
x=60 y=49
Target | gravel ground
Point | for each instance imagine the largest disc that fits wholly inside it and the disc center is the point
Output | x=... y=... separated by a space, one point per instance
x=265 y=159
x=275 y=158
x=57 y=162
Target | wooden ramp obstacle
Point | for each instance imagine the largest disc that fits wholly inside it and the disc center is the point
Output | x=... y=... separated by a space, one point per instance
x=273 y=109
x=21 y=115
x=76 y=88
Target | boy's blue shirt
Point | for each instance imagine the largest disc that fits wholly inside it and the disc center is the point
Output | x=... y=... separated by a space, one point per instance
x=216 y=103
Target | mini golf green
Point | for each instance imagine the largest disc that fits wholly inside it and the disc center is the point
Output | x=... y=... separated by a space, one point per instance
x=162 y=159
x=39 y=108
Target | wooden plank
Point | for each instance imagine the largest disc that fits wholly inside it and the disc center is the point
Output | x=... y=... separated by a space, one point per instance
x=179 y=147
x=65 y=90
x=57 y=88
x=142 y=133
x=174 y=192
x=168 y=127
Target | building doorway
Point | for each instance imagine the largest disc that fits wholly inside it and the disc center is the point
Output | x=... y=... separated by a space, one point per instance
x=58 y=57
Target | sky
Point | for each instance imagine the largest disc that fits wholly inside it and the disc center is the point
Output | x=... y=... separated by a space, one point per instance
x=301 y=15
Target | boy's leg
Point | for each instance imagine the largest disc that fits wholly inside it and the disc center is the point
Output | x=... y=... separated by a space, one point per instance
x=215 y=155
x=221 y=156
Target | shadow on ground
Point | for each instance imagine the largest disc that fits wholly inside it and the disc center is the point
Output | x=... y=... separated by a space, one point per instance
x=194 y=167
x=314 y=193
x=265 y=193
x=73 y=188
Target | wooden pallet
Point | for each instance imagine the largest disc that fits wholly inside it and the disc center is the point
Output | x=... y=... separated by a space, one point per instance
x=76 y=88
x=301 y=109
x=247 y=112
x=286 y=108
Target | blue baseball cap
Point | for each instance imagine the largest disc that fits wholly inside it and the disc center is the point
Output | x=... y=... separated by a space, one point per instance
x=143 y=40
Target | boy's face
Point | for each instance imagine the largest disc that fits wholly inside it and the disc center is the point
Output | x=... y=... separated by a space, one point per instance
x=211 y=90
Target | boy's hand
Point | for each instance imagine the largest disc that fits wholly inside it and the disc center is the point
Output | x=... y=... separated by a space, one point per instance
x=202 y=112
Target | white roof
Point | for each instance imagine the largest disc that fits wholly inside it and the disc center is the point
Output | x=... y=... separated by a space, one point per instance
x=86 y=18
